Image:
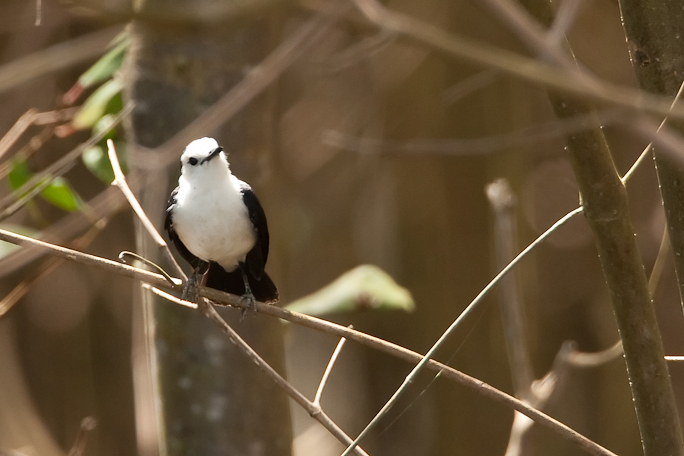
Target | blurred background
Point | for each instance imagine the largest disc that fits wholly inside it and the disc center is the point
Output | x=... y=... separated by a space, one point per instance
x=370 y=149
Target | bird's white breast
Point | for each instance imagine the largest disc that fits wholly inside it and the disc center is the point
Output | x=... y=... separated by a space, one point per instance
x=212 y=221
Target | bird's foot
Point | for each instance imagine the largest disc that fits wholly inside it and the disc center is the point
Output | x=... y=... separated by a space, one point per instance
x=249 y=302
x=191 y=289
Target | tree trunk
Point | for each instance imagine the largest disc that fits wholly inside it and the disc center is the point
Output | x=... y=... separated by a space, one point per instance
x=195 y=392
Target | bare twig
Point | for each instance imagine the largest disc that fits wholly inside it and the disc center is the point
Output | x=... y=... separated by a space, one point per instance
x=649 y=148
x=586 y=360
x=40 y=180
x=524 y=68
x=31 y=147
x=477 y=146
x=328 y=369
x=88 y=424
x=360 y=51
x=169 y=296
x=674 y=358
x=502 y=201
x=33 y=117
x=19 y=127
x=535 y=393
x=104 y=205
x=152 y=264
x=47 y=267
x=56 y=57
x=567 y=12
x=532 y=33
x=88 y=260
x=659 y=264
x=327 y=327
x=469 y=85
x=120 y=181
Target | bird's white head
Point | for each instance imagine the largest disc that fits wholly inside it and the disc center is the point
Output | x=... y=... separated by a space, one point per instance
x=204 y=157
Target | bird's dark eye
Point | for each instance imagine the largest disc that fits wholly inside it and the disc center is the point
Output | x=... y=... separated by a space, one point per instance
x=192 y=161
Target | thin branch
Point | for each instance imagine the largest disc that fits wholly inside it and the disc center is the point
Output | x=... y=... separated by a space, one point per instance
x=152 y=264
x=649 y=148
x=590 y=360
x=19 y=127
x=169 y=296
x=567 y=12
x=535 y=36
x=478 y=386
x=104 y=205
x=503 y=202
x=469 y=85
x=120 y=181
x=359 y=51
x=328 y=370
x=88 y=424
x=452 y=328
x=20 y=290
x=39 y=13
x=476 y=146
x=659 y=264
x=88 y=260
x=33 y=117
x=31 y=147
x=56 y=57
x=525 y=68
x=39 y=181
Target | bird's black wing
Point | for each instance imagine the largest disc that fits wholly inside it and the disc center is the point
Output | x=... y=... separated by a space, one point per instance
x=256 y=258
x=194 y=261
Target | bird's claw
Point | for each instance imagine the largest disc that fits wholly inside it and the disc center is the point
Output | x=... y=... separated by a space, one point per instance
x=191 y=289
x=248 y=301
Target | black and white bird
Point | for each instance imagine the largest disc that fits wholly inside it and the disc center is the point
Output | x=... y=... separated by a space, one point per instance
x=218 y=225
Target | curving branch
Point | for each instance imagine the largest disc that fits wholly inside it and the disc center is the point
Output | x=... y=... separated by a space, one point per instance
x=219 y=297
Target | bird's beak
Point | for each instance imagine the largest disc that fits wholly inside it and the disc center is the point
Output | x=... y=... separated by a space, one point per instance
x=213 y=154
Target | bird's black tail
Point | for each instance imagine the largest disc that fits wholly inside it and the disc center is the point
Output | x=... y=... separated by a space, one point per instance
x=264 y=290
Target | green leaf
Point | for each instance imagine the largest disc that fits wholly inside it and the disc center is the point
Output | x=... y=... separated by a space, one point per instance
x=364 y=287
x=19 y=174
x=60 y=193
x=7 y=247
x=98 y=104
x=108 y=64
x=105 y=125
x=96 y=160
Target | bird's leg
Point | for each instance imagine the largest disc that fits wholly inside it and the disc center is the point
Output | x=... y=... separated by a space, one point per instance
x=248 y=296
x=191 y=289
